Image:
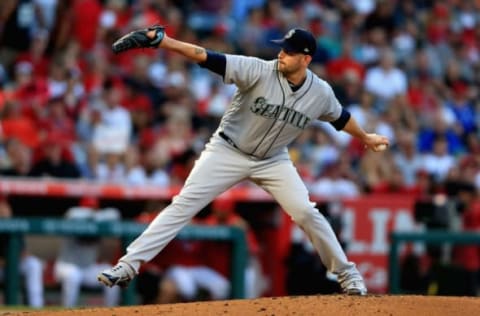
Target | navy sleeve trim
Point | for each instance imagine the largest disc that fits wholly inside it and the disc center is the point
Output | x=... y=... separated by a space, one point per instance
x=340 y=123
x=215 y=62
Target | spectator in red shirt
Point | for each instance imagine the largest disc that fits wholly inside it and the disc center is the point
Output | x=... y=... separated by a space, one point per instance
x=85 y=22
x=140 y=108
x=14 y=125
x=36 y=54
x=438 y=24
x=57 y=122
x=395 y=183
x=31 y=92
x=344 y=64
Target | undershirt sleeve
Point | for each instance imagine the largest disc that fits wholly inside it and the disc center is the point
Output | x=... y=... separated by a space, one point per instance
x=340 y=123
x=215 y=62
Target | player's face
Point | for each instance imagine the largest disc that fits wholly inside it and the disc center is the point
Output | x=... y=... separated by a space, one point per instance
x=290 y=63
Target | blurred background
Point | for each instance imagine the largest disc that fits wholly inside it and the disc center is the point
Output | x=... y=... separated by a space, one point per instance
x=89 y=135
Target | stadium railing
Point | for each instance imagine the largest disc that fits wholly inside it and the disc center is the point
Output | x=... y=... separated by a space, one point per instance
x=126 y=231
x=430 y=237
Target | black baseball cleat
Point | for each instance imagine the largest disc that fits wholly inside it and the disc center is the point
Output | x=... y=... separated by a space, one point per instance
x=120 y=275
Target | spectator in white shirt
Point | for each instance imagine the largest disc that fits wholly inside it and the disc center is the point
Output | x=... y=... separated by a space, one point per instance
x=439 y=162
x=407 y=159
x=113 y=133
x=333 y=185
x=386 y=81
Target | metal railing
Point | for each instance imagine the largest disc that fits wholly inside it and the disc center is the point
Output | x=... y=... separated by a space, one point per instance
x=127 y=231
x=430 y=237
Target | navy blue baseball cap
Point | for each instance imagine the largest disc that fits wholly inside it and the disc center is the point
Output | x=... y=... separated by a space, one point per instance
x=298 y=41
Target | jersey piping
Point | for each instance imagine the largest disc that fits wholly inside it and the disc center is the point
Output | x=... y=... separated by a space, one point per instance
x=285 y=122
x=274 y=121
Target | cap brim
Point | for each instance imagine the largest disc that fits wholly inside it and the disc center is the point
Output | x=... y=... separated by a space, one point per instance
x=283 y=44
x=279 y=42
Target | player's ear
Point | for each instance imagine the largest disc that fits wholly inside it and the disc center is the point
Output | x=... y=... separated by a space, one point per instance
x=307 y=59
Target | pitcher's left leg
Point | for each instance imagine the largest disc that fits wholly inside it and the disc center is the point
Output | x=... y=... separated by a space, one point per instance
x=281 y=179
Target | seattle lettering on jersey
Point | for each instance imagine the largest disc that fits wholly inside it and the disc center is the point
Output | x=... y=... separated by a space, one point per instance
x=279 y=113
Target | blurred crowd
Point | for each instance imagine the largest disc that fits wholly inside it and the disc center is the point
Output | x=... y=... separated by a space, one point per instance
x=407 y=69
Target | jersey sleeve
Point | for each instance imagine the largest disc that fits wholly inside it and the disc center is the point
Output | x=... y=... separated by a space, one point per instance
x=243 y=71
x=332 y=109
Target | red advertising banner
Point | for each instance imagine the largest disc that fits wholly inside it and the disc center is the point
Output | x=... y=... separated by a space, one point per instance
x=368 y=222
x=79 y=188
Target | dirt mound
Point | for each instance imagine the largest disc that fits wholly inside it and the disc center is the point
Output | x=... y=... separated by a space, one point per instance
x=336 y=305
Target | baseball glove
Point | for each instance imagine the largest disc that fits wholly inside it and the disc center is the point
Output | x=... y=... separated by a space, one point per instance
x=139 y=39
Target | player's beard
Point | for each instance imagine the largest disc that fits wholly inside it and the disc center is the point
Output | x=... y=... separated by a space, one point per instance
x=288 y=70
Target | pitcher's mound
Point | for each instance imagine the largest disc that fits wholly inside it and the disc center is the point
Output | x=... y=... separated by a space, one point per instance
x=332 y=305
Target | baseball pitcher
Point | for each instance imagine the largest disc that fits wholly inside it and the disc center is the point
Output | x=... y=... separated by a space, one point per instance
x=274 y=102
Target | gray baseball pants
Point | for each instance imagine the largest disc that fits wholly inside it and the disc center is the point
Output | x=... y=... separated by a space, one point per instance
x=219 y=167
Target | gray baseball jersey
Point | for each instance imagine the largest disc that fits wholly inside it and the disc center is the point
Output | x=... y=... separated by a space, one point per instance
x=265 y=114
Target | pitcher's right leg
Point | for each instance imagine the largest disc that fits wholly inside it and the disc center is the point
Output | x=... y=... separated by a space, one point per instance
x=218 y=168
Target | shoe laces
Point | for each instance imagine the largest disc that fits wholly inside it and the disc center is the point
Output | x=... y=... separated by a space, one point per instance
x=126 y=268
x=352 y=279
